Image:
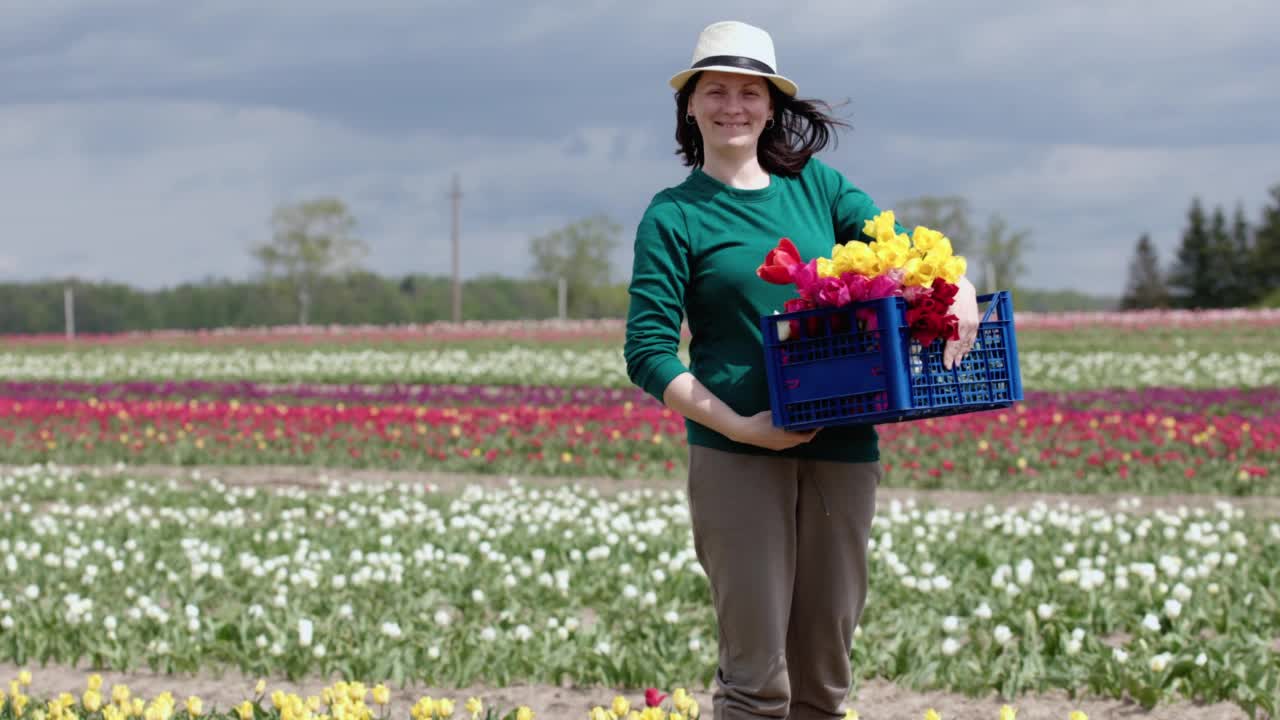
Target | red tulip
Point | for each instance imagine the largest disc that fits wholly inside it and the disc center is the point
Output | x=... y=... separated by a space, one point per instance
x=780 y=263
x=653 y=698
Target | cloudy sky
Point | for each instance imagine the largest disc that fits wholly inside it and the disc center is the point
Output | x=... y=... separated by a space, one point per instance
x=147 y=142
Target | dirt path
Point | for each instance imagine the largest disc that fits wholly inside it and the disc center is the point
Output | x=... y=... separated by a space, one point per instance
x=284 y=475
x=875 y=700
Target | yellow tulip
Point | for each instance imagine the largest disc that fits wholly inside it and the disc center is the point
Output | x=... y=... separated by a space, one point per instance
x=954 y=269
x=620 y=705
x=24 y=678
x=1077 y=715
x=1007 y=713
x=381 y=694
x=932 y=714
x=942 y=246
x=922 y=238
x=444 y=708
x=92 y=700
x=856 y=257
x=850 y=714
x=245 y=710
x=680 y=699
x=524 y=713
x=826 y=268
x=892 y=252
x=195 y=706
x=474 y=706
x=261 y=687
x=120 y=695
x=919 y=272
x=598 y=713
x=95 y=682
x=881 y=227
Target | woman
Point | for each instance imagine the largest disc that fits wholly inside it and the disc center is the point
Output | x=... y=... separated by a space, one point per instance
x=780 y=519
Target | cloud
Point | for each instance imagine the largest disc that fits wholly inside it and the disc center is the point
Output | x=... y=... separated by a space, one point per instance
x=188 y=198
x=148 y=141
x=1086 y=205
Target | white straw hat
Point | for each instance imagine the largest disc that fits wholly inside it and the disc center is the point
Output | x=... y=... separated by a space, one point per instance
x=735 y=47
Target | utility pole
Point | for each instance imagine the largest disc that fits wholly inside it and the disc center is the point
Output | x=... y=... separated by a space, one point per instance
x=69 y=310
x=456 y=197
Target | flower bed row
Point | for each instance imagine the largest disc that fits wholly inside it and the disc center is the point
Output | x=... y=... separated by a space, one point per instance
x=350 y=700
x=1031 y=446
x=398 y=583
x=599 y=367
x=1176 y=402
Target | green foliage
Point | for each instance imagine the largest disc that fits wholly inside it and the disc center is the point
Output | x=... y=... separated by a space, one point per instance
x=1060 y=301
x=1003 y=255
x=948 y=214
x=1272 y=300
x=1145 y=288
x=310 y=241
x=580 y=254
x=1191 y=278
x=1221 y=264
x=356 y=298
x=1266 y=248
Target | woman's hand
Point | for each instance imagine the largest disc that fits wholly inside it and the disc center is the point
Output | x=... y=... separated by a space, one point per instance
x=759 y=430
x=689 y=397
x=965 y=308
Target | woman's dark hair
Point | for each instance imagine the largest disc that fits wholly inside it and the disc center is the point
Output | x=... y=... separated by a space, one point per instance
x=800 y=129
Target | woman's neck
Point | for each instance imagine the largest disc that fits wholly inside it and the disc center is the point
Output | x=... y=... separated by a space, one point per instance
x=739 y=171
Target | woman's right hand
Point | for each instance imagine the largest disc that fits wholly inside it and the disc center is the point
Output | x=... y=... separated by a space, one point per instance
x=759 y=430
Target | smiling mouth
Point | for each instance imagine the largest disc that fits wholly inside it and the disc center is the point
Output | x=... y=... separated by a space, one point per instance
x=732 y=126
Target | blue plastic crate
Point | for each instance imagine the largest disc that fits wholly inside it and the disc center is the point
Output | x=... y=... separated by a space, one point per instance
x=839 y=373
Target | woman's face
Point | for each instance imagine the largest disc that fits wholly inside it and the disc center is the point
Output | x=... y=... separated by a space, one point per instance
x=731 y=109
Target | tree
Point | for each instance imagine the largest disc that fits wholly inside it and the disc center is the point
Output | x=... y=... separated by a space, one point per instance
x=947 y=214
x=1003 y=254
x=1231 y=261
x=1145 y=288
x=1225 y=267
x=310 y=240
x=580 y=253
x=1190 y=279
x=1266 y=249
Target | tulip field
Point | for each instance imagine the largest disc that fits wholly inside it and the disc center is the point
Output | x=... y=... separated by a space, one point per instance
x=582 y=583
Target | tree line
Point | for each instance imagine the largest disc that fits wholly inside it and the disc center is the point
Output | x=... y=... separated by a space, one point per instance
x=1219 y=263
x=357 y=297
x=310 y=272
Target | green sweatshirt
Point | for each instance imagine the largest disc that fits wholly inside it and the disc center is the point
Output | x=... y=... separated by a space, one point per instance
x=697 y=248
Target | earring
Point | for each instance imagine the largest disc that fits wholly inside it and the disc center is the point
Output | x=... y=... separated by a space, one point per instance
x=690 y=119
x=768 y=124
